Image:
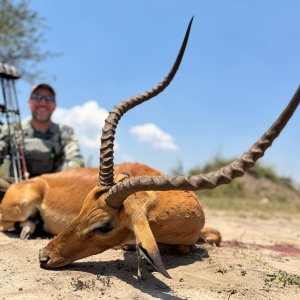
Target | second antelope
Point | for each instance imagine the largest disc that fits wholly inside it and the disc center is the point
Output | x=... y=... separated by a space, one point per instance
x=122 y=209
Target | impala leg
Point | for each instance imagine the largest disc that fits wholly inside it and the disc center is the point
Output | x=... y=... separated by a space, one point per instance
x=210 y=235
x=175 y=249
x=7 y=226
x=28 y=228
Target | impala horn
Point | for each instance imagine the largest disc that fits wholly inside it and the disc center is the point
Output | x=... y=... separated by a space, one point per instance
x=106 y=172
x=118 y=193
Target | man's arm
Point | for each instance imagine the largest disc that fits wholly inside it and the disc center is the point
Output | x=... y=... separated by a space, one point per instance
x=71 y=150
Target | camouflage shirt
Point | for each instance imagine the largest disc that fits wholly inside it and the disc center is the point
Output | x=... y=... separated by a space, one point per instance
x=46 y=152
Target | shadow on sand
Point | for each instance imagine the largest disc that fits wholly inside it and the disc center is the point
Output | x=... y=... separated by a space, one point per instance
x=126 y=271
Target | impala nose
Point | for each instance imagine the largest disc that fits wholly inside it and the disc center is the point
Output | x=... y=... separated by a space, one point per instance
x=43 y=259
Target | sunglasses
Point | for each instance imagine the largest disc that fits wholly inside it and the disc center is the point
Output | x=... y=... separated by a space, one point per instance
x=39 y=98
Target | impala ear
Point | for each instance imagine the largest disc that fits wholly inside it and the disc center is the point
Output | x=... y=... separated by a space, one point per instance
x=147 y=247
x=121 y=176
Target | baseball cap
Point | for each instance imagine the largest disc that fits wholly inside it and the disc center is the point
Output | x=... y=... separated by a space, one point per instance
x=44 y=86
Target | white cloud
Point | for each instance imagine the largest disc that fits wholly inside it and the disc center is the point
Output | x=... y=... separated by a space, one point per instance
x=150 y=133
x=86 y=119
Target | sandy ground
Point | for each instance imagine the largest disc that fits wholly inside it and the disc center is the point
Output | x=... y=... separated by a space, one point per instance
x=259 y=259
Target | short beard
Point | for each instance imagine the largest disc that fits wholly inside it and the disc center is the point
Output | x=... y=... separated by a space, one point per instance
x=41 y=118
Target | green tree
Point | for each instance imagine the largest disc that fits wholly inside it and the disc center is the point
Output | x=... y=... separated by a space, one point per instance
x=21 y=35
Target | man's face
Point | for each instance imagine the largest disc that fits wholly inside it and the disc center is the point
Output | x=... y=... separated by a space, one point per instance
x=41 y=109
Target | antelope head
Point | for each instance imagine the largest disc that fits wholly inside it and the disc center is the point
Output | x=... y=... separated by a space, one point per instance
x=117 y=209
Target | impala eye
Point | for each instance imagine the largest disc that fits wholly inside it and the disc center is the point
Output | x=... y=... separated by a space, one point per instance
x=105 y=228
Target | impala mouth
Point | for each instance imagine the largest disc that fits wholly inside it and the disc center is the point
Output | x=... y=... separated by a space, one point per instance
x=46 y=262
x=44 y=259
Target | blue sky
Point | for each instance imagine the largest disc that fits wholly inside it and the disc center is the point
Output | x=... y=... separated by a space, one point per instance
x=240 y=69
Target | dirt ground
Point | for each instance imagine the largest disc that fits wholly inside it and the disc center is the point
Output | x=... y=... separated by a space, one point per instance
x=259 y=259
